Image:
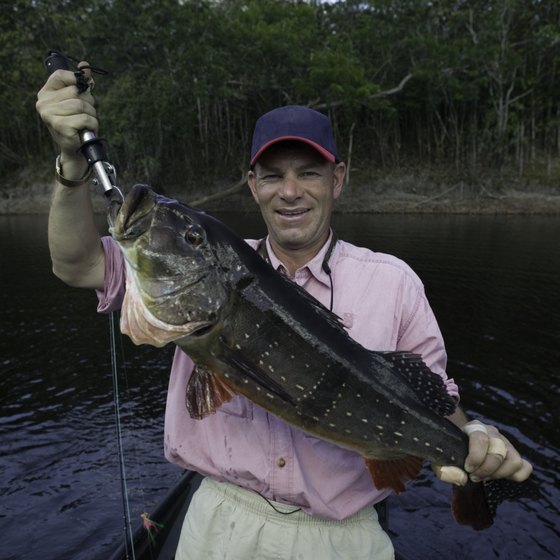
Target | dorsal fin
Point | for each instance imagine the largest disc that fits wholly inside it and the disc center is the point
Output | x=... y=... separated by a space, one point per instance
x=428 y=386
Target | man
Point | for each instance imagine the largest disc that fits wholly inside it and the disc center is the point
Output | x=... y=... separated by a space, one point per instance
x=271 y=490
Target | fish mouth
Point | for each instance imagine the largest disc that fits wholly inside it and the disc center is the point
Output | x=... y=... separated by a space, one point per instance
x=133 y=218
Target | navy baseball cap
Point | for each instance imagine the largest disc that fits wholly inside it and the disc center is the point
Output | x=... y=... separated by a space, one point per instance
x=294 y=122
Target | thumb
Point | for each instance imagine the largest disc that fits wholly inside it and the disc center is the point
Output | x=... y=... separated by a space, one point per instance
x=452 y=475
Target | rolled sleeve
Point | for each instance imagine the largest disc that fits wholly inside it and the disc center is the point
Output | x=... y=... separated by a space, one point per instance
x=111 y=297
x=422 y=336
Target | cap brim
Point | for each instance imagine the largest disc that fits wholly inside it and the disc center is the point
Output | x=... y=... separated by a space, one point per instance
x=325 y=153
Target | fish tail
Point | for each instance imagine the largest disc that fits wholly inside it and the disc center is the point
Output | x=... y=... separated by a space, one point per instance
x=470 y=506
x=476 y=503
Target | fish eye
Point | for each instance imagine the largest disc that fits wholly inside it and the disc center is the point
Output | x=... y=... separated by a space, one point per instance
x=195 y=235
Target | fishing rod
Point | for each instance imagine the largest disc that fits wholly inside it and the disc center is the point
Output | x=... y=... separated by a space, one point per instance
x=93 y=149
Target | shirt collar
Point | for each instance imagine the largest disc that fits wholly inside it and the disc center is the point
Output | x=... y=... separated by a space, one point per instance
x=313 y=267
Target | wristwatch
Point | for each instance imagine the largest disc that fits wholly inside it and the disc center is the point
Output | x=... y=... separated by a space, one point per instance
x=69 y=182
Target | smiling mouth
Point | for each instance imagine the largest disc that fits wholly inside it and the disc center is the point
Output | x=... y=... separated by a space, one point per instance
x=290 y=213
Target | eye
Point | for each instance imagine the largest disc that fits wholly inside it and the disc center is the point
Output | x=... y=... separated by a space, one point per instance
x=270 y=177
x=195 y=235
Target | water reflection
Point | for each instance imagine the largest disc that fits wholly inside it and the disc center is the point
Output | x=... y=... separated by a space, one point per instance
x=492 y=281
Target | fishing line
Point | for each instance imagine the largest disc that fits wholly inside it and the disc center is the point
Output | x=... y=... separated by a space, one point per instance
x=129 y=540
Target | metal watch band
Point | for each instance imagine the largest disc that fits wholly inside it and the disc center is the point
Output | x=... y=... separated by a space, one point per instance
x=68 y=182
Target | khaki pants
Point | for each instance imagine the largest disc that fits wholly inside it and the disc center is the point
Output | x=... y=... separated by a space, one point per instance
x=226 y=522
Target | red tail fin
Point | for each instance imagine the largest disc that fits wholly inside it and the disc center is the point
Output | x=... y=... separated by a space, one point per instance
x=469 y=506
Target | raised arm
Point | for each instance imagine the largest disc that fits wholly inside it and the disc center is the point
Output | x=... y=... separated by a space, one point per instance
x=74 y=241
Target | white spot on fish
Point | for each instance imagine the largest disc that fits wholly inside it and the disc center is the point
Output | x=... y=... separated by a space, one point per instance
x=270 y=396
x=415 y=439
x=282 y=378
x=348 y=414
x=332 y=425
x=398 y=434
x=364 y=420
x=300 y=387
x=271 y=369
x=247 y=335
x=238 y=346
x=427 y=444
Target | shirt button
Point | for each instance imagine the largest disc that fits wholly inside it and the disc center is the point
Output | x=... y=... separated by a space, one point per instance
x=281 y=462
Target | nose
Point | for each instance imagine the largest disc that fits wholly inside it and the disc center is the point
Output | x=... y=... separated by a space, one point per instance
x=291 y=189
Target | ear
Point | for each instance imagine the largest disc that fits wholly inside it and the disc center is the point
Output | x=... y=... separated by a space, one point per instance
x=252 y=182
x=338 y=179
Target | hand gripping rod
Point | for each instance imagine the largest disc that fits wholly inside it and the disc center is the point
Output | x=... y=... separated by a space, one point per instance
x=93 y=148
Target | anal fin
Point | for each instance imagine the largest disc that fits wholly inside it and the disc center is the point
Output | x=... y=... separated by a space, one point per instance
x=394 y=473
x=206 y=392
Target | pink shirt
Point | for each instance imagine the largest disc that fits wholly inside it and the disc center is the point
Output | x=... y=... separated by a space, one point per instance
x=382 y=303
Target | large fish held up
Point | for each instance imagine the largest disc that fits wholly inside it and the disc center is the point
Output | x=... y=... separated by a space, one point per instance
x=251 y=331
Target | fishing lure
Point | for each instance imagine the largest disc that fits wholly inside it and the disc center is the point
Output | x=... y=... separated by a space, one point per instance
x=151 y=526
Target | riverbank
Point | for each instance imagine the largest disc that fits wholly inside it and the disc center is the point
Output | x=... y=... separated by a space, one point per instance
x=32 y=196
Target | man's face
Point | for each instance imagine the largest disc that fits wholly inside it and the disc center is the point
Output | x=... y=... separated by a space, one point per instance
x=295 y=188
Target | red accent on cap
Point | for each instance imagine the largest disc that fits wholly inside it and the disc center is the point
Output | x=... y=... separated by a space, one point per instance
x=325 y=153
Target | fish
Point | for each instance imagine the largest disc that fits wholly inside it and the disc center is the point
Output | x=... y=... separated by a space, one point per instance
x=251 y=331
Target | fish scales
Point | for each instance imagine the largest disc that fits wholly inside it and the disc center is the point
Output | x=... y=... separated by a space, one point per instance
x=251 y=331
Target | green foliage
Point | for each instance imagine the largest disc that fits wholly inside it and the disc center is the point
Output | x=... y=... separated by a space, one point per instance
x=188 y=78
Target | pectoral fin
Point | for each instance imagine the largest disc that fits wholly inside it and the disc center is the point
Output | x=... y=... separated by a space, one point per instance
x=206 y=392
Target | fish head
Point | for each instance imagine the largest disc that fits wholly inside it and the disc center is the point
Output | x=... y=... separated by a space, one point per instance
x=173 y=275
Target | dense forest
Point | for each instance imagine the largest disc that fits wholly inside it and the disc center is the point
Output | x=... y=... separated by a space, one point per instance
x=469 y=88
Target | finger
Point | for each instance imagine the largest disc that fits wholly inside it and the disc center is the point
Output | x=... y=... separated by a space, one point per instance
x=478 y=445
x=59 y=80
x=69 y=107
x=497 y=446
x=523 y=473
x=86 y=69
x=452 y=475
x=474 y=426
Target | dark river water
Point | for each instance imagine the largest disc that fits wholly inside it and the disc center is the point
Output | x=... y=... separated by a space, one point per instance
x=494 y=283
